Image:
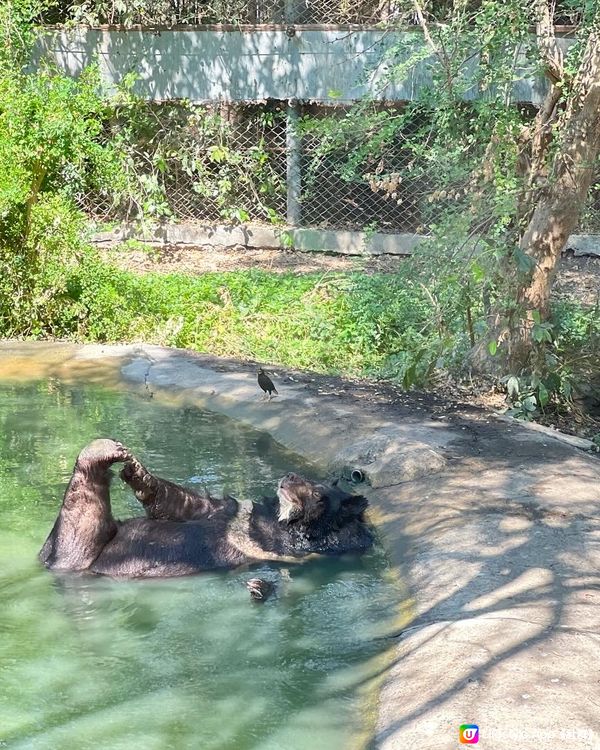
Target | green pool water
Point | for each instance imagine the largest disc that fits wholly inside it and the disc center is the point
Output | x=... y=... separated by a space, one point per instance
x=88 y=662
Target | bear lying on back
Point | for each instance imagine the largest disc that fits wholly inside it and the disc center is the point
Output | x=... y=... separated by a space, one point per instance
x=303 y=518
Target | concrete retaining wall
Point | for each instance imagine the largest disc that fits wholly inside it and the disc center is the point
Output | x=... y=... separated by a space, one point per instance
x=309 y=240
x=209 y=64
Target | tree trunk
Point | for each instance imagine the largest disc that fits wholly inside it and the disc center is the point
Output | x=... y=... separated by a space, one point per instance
x=559 y=202
x=550 y=205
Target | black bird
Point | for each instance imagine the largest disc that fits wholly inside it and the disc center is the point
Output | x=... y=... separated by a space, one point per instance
x=266 y=383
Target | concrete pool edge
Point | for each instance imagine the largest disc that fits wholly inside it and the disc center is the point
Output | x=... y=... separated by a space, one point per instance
x=500 y=548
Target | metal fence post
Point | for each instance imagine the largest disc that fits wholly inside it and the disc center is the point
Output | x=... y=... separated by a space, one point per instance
x=292 y=14
x=293 y=156
x=292 y=10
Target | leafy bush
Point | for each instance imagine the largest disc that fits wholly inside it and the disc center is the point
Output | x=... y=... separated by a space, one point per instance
x=49 y=146
x=568 y=356
x=186 y=159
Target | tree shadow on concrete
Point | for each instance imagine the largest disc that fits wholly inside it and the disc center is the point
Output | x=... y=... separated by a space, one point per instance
x=502 y=566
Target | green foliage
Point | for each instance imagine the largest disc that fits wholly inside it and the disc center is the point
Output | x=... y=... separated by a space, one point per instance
x=568 y=353
x=49 y=128
x=453 y=156
x=17 y=30
x=33 y=283
x=380 y=325
x=526 y=397
x=49 y=146
x=226 y=163
x=459 y=156
x=461 y=153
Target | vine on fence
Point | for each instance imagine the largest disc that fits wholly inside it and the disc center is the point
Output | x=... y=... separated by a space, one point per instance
x=191 y=161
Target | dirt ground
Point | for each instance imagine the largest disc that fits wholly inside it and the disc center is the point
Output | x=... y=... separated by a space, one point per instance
x=197 y=260
x=578 y=278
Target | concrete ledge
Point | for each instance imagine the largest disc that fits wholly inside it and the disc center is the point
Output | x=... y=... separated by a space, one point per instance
x=338 y=241
x=328 y=64
x=259 y=235
x=354 y=243
x=181 y=234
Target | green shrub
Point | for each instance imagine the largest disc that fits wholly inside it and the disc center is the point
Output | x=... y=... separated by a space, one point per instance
x=50 y=147
x=335 y=322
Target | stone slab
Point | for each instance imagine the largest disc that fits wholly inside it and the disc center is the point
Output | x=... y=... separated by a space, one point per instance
x=354 y=243
x=584 y=244
x=388 y=458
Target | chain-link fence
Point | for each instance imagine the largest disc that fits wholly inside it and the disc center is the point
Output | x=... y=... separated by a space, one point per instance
x=349 y=183
x=232 y=164
x=223 y=164
x=229 y=164
x=195 y=12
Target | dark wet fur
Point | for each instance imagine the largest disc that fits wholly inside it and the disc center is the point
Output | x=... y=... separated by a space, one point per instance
x=85 y=523
x=318 y=519
x=145 y=548
x=164 y=500
x=327 y=521
x=260 y=590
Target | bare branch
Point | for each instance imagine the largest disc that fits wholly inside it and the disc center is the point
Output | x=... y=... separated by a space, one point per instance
x=423 y=24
